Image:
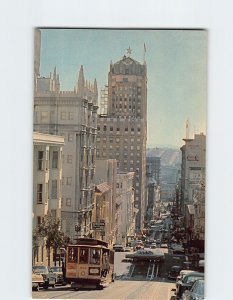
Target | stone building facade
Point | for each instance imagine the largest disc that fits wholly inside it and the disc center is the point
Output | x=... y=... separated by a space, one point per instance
x=122 y=133
x=125 y=210
x=47 y=189
x=72 y=114
x=192 y=189
x=106 y=171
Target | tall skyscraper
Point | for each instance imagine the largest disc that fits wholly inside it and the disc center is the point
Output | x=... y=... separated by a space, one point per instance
x=122 y=133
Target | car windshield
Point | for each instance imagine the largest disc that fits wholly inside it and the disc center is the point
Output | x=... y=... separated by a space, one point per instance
x=198 y=288
x=56 y=269
x=39 y=269
x=190 y=279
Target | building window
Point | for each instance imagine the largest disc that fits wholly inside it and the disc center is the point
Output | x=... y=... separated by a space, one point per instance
x=68 y=201
x=53 y=213
x=71 y=116
x=39 y=192
x=40 y=160
x=55 y=160
x=63 y=115
x=69 y=159
x=44 y=116
x=69 y=180
x=70 y=137
x=36 y=114
x=54 y=189
x=38 y=221
x=111 y=128
x=105 y=128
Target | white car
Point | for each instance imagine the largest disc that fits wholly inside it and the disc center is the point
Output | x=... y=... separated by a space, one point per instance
x=153 y=246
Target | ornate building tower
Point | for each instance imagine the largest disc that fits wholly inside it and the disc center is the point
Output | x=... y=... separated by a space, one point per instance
x=122 y=133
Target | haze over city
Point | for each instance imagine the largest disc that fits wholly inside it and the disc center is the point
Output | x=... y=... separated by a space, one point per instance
x=176 y=72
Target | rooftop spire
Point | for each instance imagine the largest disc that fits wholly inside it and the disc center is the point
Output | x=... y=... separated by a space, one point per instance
x=81 y=83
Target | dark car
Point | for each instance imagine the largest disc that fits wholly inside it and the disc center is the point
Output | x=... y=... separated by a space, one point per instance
x=48 y=275
x=118 y=248
x=59 y=275
x=186 y=283
x=174 y=272
x=196 y=292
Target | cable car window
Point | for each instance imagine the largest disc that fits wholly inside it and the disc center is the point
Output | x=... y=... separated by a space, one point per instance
x=72 y=254
x=83 y=256
x=95 y=256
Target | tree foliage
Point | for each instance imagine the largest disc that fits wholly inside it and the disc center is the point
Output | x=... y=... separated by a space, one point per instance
x=50 y=230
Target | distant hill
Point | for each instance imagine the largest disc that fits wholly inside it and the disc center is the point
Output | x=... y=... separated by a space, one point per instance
x=169 y=156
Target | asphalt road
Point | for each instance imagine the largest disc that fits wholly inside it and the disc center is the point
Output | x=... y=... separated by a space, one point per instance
x=140 y=288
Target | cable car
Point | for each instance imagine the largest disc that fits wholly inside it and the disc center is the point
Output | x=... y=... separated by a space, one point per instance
x=89 y=263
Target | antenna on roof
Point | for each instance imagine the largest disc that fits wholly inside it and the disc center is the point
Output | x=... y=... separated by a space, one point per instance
x=187 y=129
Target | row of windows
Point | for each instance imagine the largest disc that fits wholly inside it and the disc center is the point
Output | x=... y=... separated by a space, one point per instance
x=126 y=147
x=132 y=129
x=117 y=154
x=119 y=110
x=124 y=87
x=117 y=140
x=126 y=99
x=45 y=116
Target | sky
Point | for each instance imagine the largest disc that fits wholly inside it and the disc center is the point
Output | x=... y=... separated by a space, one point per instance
x=176 y=72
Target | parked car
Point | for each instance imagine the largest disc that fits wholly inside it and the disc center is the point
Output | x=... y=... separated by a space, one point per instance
x=37 y=281
x=127 y=249
x=153 y=246
x=196 y=292
x=59 y=275
x=177 y=249
x=183 y=273
x=186 y=282
x=48 y=275
x=174 y=272
x=118 y=248
x=138 y=246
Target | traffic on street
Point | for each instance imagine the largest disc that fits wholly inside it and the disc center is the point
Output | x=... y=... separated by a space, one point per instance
x=154 y=265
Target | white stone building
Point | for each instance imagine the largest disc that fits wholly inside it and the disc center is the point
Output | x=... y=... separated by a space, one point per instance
x=72 y=114
x=47 y=190
x=125 y=212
